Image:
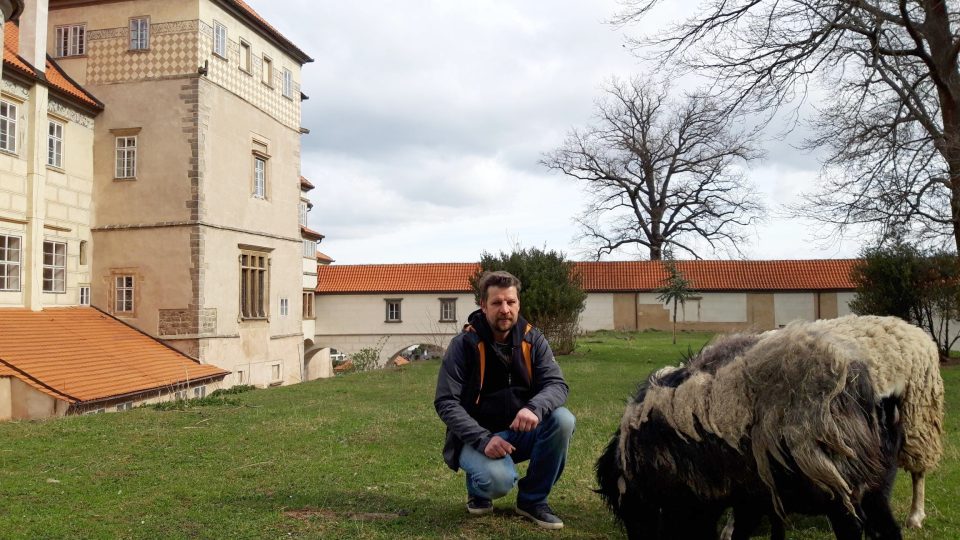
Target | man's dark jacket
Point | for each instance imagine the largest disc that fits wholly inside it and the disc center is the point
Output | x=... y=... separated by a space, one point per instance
x=458 y=384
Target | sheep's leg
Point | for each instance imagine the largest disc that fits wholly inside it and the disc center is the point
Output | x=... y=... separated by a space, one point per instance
x=778 y=530
x=878 y=517
x=846 y=526
x=917 y=514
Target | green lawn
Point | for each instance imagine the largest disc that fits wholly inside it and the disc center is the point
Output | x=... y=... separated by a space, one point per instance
x=357 y=456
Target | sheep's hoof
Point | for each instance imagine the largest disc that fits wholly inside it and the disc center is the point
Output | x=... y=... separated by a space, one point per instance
x=727 y=532
x=915 y=521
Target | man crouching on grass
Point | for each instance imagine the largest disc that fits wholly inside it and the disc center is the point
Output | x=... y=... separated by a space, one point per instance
x=500 y=392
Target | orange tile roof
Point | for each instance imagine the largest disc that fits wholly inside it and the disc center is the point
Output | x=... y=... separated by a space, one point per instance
x=80 y=354
x=439 y=277
x=55 y=76
x=324 y=258
x=310 y=233
x=273 y=32
x=818 y=274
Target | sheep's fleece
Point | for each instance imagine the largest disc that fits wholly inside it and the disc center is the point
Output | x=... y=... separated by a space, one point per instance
x=772 y=393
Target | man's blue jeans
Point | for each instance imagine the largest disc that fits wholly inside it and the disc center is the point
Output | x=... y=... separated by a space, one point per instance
x=545 y=447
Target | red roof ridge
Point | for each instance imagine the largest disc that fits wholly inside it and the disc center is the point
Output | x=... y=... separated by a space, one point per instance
x=301 y=56
x=602 y=276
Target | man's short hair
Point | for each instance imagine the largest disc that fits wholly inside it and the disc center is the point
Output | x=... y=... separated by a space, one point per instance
x=499 y=278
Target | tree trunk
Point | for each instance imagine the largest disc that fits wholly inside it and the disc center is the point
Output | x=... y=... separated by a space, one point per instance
x=674 y=321
x=656 y=252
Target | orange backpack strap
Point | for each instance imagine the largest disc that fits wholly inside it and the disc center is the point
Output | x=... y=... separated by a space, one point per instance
x=527 y=349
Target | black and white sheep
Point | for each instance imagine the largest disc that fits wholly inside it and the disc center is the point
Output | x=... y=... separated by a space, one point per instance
x=789 y=422
x=903 y=362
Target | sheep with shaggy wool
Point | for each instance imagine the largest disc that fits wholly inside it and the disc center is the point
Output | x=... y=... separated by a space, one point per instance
x=903 y=362
x=784 y=422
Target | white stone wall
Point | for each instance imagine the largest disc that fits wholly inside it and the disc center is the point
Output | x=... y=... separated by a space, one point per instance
x=794 y=306
x=597 y=312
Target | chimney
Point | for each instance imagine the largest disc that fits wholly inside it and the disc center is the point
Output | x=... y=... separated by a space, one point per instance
x=33 y=33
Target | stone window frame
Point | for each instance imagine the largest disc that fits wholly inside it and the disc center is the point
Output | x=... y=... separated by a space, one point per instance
x=309 y=248
x=70 y=40
x=276 y=367
x=260 y=169
x=84 y=295
x=287 y=84
x=6 y=263
x=254 y=283
x=220 y=38
x=130 y=153
x=267 y=78
x=54 y=266
x=303 y=211
x=124 y=301
x=309 y=305
x=448 y=309
x=8 y=126
x=55 y=144
x=246 y=57
x=142 y=42
x=393 y=313
x=241 y=375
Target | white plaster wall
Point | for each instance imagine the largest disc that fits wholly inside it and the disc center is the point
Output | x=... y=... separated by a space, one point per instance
x=366 y=314
x=597 y=312
x=843 y=303
x=792 y=306
x=723 y=307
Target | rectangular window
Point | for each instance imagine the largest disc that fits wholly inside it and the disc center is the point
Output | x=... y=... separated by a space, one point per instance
x=309 y=249
x=139 y=33
x=180 y=395
x=219 y=39
x=240 y=377
x=284 y=307
x=304 y=209
x=55 y=144
x=448 y=310
x=9 y=263
x=71 y=40
x=393 y=310
x=246 y=57
x=253 y=284
x=125 y=406
x=8 y=126
x=200 y=392
x=54 y=267
x=308 y=305
x=275 y=373
x=123 y=294
x=126 y=157
x=267 y=71
x=287 y=83
x=259 y=177
x=84 y=295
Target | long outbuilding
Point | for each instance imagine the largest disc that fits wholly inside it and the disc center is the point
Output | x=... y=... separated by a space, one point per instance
x=394 y=306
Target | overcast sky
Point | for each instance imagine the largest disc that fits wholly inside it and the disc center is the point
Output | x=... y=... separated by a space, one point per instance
x=428 y=119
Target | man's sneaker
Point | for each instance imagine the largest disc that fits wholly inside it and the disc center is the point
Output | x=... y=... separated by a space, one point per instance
x=542 y=515
x=479 y=506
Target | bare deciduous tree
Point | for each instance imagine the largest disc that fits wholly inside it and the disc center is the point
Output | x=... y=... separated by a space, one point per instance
x=660 y=174
x=891 y=123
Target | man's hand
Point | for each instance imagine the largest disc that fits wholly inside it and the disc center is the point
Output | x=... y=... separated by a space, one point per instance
x=526 y=420
x=497 y=448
